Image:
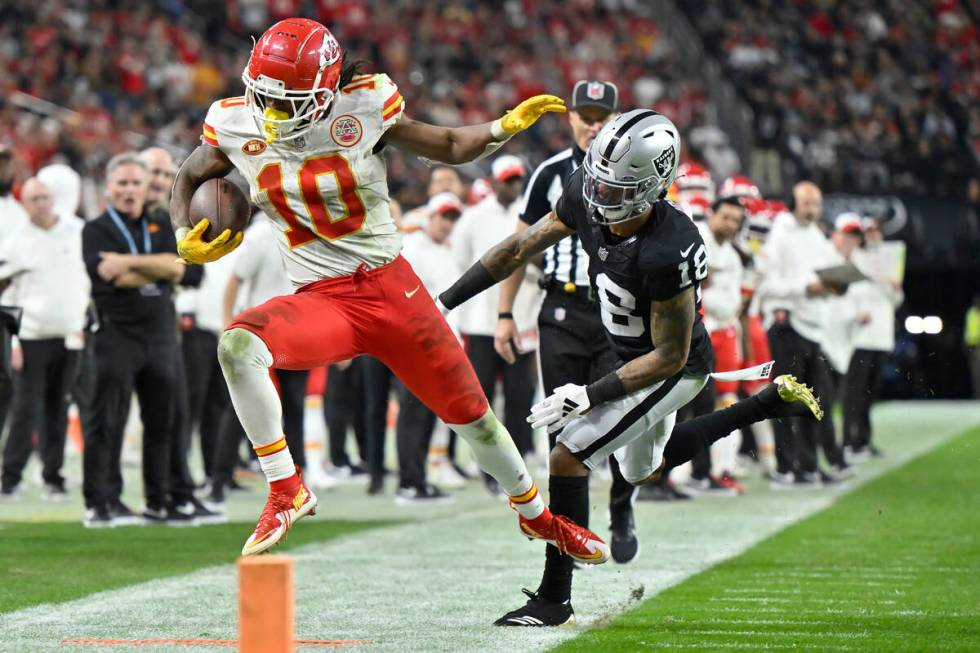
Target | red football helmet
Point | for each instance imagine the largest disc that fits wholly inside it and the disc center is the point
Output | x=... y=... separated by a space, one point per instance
x=693 y=176
x=697 y=207
x=291 y=77
x=739 y=186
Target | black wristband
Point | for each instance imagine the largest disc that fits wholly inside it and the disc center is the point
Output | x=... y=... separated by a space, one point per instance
x=607 y=388
x=472 y=283
x=505 y=315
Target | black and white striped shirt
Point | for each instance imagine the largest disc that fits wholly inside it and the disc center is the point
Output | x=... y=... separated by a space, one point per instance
x=565 y=260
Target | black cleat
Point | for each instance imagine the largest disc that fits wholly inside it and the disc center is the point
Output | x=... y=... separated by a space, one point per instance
x=661 y=492
x=787 y=397
x=624 y=544
x=538 y=612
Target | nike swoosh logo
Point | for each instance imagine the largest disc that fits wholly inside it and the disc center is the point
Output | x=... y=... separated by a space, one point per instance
x=409 y=295
x=685 y=252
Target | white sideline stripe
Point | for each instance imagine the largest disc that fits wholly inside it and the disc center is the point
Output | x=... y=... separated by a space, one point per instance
x=367 y=586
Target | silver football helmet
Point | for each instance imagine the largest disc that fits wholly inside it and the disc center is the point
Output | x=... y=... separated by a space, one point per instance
x=630 y=165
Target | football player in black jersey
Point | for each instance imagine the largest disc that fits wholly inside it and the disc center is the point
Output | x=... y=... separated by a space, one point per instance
x=646 y=262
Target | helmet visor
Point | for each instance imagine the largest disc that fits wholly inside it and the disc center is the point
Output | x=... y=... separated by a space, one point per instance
x=606 y=194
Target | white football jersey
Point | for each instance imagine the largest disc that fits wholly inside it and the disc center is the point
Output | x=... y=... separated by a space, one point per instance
x=326 y=193
x=722 y=295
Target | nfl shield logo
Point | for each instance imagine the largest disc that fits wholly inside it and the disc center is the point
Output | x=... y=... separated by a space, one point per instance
x=595 y=90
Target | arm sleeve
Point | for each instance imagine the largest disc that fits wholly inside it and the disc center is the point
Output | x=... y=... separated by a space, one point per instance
x=208 y=134
x=535 y=204
x=571 y=203
x=93 y=242
x=393 y=104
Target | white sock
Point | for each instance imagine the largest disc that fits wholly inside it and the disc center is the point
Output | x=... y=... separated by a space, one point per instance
x=314 y=433
x=245 y=362
x=497 y=455
x=765 y=444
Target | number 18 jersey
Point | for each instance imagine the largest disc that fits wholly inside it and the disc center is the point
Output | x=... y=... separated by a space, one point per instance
x=661 y=260
x=326 y=193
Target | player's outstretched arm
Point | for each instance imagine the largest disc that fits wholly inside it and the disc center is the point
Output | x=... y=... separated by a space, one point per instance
x=670 y=331
x=504 y=258
x=455 y=145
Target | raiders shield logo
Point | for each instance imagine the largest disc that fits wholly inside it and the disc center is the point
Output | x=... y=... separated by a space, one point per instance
x=253 y=147
x=665 y=162
x=603 y=253
x=346 y=130
x=595 y=90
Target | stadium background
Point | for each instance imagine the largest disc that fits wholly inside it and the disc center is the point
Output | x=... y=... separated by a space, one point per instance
x=875 y=101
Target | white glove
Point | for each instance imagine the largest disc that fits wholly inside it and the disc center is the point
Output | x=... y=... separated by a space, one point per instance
x=564 y=405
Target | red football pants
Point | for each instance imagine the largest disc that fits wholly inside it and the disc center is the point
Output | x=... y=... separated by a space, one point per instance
x=385 y=313
x=760 y=351
x=727 y=358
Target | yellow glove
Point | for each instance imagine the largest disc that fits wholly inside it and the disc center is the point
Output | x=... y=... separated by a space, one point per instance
x=526 y=114
x=192 y=249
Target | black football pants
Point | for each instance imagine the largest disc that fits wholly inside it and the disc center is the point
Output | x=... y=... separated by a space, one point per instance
x=124 y=364
x=41 y=404
x=861 y=385
x=797 y=438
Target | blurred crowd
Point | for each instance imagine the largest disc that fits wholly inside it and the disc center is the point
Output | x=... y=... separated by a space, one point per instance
x=858 y=95
x=134 y=73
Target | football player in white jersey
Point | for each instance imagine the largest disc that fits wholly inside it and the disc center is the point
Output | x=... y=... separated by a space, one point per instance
x=308 y=136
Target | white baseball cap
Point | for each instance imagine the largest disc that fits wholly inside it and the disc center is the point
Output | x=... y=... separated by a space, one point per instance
x=444 y=202
x=506 y=167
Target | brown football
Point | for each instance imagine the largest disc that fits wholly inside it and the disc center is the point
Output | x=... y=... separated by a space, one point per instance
x=223 y=204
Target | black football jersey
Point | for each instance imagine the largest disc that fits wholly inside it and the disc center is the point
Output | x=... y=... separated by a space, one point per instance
x=662 y=259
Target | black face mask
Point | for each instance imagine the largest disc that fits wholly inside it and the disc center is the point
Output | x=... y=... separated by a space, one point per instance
x=6 y=185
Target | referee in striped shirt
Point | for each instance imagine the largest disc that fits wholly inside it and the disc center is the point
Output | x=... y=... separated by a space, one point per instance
x=573 y=347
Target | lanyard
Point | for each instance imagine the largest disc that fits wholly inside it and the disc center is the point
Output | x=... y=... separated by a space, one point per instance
x=124 y=230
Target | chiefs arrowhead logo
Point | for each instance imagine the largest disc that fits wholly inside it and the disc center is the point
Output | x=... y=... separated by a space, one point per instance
x=253 y=147
x=329 y=51
x=346 y=130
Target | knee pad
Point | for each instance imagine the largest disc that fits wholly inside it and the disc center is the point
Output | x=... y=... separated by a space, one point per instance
x=240 y=350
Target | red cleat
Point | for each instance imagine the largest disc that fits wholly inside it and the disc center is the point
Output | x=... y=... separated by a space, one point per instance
x=281 y=510
x=567 y=536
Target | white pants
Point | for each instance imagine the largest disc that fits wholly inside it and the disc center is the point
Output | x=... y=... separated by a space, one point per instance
x=635 y=428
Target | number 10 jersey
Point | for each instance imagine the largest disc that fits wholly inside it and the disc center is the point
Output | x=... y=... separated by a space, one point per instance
x=664 y=258
x=327 y=193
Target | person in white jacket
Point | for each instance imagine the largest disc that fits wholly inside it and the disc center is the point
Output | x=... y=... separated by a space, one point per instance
x=481 y=227
x=43 y=261
x=873 y=340
x=432 y=259
x=793 y=300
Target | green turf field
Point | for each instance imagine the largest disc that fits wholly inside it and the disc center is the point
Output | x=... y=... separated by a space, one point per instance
x=893 y=566
x=53 y=562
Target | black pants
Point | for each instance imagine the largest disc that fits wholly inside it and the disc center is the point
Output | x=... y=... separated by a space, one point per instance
x=343 y=400
x=413 y=433
x=181 y=481
x=574 y=348
x=40 y=403
x=519 y=385
x=378 y=381
x=124 y=364
x=862 y=383
x=292 y=394
x=796 y=438
x=207 y=393
x=6 y=376
x=229 y=439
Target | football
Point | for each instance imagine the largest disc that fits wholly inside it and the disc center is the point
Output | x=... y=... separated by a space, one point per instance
x=223 y=204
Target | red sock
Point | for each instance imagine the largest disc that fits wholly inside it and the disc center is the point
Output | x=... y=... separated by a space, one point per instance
x=287 y=485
